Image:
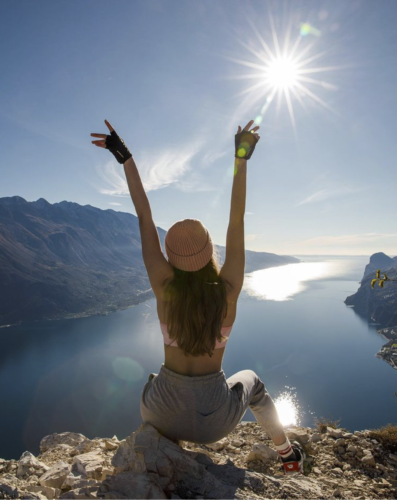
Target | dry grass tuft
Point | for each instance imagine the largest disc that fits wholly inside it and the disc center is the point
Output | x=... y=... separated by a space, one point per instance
x=387 y=436
x=322 y=423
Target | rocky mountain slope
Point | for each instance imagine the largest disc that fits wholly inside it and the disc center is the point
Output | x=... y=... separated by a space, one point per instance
x=64 y=260
x=377 y=304
x=243 y=465
x=379 y=261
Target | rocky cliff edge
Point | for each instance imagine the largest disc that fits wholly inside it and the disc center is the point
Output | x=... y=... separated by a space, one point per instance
x=244 y=465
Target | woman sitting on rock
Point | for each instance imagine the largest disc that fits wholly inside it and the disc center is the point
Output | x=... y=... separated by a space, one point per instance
x=190 y=399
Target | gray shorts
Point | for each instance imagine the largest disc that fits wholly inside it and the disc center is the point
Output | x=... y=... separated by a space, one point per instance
x=205 y=408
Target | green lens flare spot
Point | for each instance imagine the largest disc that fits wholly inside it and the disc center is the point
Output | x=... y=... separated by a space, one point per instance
x=127 y=369
x=241 y=152
x=305 y=29
x=308 y=29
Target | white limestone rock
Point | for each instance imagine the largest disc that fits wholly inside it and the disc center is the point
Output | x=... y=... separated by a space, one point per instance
x=336 y=471
x=85 y=447
x=9 y=485
x=77 y=481
x=263 y=453
x=131 y=485
x=93 y=465
x=31 y=494
x=168 y=463
x=47 y=491
x=64 y=447
x=299 y=435
x=316 y=438
x=78 y=493
x=126 y=459
x=335 y=433
x=85 y=492
x=237 y=442
x=56 y=475
x=299 y=486
x=33 y=479
x=69 y=438
x=12 y=487
x=29 y=465
x=368 y=459
x=111 y=445
x=218 y=445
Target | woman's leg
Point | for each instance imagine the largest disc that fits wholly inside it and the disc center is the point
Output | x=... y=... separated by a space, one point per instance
x=252 y=393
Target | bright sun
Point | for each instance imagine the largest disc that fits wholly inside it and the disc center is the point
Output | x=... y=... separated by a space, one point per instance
x=281 y=73
x=285 y=71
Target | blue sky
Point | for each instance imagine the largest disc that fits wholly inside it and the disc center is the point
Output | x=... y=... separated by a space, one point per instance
x=169 y=78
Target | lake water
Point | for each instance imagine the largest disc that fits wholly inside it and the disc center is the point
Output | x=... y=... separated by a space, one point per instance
x=314 y=354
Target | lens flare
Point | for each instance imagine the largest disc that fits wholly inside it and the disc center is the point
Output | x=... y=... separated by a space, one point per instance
x=307 y=29
x=285 y=71
x=127 y=369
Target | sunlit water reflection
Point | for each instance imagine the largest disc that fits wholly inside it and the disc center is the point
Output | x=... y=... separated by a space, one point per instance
x=288 y=408
x=282 y=283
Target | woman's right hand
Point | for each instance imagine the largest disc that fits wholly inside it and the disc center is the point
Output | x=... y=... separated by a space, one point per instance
x=247 y=127
x=244 y=143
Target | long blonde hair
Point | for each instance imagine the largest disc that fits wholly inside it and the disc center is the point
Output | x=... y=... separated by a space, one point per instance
x=196 y=304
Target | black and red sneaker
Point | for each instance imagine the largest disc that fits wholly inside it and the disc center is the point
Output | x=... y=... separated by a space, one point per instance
x=295 y=465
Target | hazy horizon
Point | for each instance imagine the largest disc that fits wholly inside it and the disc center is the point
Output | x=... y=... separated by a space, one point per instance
x=223 y=244
x=176 y=79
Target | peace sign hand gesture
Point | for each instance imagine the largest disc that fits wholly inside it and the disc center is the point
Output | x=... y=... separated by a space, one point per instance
x=245 y=141
x=114 y=144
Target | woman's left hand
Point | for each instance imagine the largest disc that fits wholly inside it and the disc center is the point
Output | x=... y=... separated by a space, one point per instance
x=114 y=144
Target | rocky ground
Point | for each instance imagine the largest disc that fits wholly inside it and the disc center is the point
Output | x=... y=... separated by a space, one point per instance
x=244 y=465
x=389 y=353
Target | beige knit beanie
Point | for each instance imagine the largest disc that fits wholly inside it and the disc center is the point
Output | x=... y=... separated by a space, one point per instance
x=188 y=245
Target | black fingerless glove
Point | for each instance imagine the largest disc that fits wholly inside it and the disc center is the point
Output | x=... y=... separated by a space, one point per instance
x=116 y=145
x=245 y=143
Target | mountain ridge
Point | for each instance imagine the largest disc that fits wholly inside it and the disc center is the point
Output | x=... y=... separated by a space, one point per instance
x=65 y=260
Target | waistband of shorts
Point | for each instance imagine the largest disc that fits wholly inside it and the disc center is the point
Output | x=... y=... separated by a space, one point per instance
x=177 y=378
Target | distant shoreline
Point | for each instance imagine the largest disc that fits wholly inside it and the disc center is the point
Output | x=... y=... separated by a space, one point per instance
x=148 y=294
x=387 y=352
x=85 y=314
x=111 y=309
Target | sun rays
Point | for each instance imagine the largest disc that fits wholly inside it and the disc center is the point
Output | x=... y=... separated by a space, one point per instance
x=289 y=71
